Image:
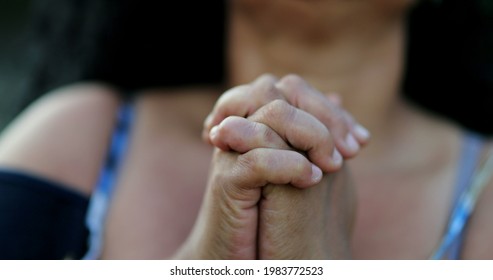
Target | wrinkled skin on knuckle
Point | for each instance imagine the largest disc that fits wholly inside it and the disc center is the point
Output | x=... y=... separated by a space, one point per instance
x=230 y=208
x=257 y=133
x=292 y=168
x=267 y=135
x=221 y=174
x=278 y=110
x=275 y=168
x=233 y=181
x=249 y=164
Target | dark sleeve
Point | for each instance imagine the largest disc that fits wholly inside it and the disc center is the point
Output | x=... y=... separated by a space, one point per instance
x=40 y=219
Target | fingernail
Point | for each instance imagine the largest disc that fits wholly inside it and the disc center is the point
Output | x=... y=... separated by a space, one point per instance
x=316 y=174
x=351 y=143
x=336 y=158
x=361 y=132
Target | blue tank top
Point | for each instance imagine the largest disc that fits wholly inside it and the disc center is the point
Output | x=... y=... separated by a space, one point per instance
x=100 y=199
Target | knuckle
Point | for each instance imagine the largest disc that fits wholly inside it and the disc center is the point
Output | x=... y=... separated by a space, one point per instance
x=268 y=167
x=278 y=109
x=224 y=127
x=285 y=111
x=265 y=86
x=250 y=162
x=266 y=134
x=230 y=122
x=293 y=86
x=292 y=80
x=267 y=78
x=253 y=134
x=229 y=126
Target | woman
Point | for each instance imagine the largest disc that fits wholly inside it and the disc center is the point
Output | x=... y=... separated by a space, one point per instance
x=404 y=181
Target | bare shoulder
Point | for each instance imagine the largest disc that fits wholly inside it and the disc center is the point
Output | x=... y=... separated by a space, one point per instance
x=478 y=243
x=63 y=135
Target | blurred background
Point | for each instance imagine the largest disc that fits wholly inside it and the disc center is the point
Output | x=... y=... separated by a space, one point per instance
x=13 y=55
x=45 y=44
x=48 y=43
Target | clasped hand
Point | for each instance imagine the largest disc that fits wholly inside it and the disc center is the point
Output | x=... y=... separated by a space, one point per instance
x=277 y=188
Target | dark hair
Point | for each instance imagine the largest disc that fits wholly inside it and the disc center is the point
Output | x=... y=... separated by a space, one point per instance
x=450 y=60
x=128 y=43
x=134 y=44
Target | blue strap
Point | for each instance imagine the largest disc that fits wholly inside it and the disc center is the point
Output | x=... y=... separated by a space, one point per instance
x=98 y=205
x=451 y=242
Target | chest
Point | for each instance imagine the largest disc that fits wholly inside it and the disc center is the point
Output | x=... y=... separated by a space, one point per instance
x=169 y=158
x=163 y=178
x=402 y=217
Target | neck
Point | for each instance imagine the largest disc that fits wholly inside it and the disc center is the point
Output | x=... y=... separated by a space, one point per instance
x=365 y=70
